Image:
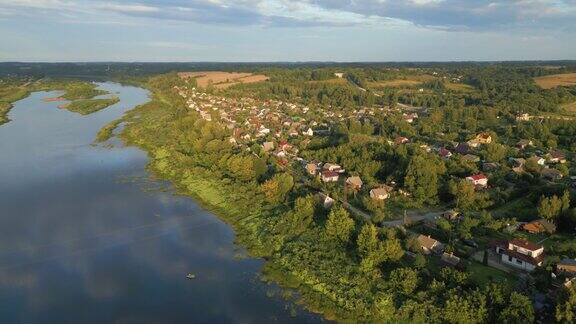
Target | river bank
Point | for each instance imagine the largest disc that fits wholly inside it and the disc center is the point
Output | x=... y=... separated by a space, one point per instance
x=87 y=235
x=193 y=155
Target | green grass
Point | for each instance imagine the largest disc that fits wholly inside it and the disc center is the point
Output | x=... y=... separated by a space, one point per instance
x=482 y=275
x=81 y=90
x=521 y=209
x=88 y=106
x=106 y=132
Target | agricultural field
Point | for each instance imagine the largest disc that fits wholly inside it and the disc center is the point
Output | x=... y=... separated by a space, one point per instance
x=411 y=81
x=222 y=80
x=556 y=80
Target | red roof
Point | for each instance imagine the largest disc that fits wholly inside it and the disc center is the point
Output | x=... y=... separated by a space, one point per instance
x=329 y=174
x=477 y=177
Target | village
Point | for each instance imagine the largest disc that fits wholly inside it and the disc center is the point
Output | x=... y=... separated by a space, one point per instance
x=283 y=129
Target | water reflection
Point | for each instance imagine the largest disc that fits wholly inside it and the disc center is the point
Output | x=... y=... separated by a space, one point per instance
x=79 y=244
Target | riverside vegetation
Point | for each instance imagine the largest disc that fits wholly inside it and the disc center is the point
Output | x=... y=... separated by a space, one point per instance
x=349 y=268
x=79 y=93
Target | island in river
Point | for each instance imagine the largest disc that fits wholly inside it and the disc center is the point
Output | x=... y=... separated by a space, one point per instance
x=86 y=236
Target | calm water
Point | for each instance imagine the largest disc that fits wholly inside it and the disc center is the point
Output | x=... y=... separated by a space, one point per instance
x=83 y=239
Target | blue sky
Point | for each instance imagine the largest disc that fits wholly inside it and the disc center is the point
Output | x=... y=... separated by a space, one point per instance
x=284 y=30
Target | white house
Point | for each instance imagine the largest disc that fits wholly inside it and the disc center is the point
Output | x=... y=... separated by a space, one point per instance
x=381 y=193
x=521 y=254
x=478 y=180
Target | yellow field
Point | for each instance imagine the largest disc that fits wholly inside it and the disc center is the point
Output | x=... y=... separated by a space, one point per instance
x=222 y=80
x=556 y=80
x=402 y=83
x=571 y=107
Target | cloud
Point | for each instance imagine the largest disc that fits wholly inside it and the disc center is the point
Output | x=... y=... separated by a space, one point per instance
x=465 y=14
x=437 y=14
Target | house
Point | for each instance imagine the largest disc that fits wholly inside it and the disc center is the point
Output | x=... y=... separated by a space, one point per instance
x=471 y=158
x=523 y=117
x=444 y=153
x=381 y=193
x=333 y=167
x=567 y=266
x=539 y=226
x=551 y=174
x=355 y=182
x=463 y=148
x=429 y=245
x=312 y=168
x=451 y=215
x=521 y=254
x=339 y=75
x=483 y=138
x=308 y=132
x=478 y=180
x=556 y=156
x=537 y=160
x=330 y=176
x=268 y=146
x=490 y=166
x=326 y=201
x=401 y=140
x=522 y=144
x=450 y=259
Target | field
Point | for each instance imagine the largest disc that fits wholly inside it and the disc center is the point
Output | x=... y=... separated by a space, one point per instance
x=400 y=83
x=222 y=80
x=556 y=80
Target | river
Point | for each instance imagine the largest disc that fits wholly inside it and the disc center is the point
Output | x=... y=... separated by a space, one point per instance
x=87 y=237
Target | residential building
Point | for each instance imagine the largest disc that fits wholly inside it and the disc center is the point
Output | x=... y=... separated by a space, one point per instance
x=354 y=182
x=330 y=176
x=429 y=245
x=567 y=266
x=381 y=193
x=551 y=174
x=539 y=226
x=312 y=168
x=478 y=180
x=521 y=254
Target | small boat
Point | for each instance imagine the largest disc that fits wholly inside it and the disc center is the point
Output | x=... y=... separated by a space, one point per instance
x=190 y=276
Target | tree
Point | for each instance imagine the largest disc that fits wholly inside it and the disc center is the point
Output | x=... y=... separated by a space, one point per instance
x=278 y=187
x=339 y=225
x=518 y=310
x=373 y=251
x=419 y=261
x=565 y=201
x=549 y=208
x=422 y=178
x=404 y=280
x=470 y=308
x=300 y=218
x=566 y=306
x=464 y=193
x=495 y=152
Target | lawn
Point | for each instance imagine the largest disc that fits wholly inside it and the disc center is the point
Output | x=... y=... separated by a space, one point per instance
x=482 y=275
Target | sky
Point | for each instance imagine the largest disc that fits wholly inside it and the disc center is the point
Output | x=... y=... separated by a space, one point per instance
x=286 y=30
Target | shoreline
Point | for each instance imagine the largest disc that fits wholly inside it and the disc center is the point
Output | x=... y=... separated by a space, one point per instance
x=210 y=193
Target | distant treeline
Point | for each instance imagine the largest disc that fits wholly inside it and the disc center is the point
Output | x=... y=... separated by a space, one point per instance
x=114 y=69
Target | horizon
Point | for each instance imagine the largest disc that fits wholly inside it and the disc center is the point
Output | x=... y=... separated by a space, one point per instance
x=265 y=31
